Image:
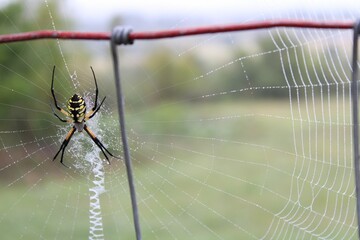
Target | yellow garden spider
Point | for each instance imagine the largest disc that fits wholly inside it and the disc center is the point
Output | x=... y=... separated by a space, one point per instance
x=76 y=113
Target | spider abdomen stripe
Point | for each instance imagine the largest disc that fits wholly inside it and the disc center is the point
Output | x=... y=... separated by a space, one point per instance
x=77 y=108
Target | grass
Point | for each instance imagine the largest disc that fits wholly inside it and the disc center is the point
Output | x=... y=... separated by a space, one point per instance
x=205 y=171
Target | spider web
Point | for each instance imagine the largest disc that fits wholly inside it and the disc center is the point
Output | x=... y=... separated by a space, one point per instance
x=221 y=160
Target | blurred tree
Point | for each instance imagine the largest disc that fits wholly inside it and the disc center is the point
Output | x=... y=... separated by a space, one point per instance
x=174 y=76
x=279 y=63
x=287 y=63
x=25 y=67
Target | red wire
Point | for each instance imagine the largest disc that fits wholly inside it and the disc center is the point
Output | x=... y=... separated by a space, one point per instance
x=241 y=27
x=25 y=36
x=7 y=38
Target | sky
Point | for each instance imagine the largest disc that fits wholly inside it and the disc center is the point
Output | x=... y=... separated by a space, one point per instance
x=101 y=11
x=96 y=14
x=154 y=7
x=176 y=6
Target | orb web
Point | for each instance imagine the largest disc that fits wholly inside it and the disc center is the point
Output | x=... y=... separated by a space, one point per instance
x=249 y=137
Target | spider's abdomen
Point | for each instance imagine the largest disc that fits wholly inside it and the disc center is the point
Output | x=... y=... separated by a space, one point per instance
x=77 y=108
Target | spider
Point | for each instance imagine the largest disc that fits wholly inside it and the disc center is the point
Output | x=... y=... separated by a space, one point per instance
x=76 y=114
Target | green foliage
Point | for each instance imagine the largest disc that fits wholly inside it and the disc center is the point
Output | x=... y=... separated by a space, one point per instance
x=25 y=67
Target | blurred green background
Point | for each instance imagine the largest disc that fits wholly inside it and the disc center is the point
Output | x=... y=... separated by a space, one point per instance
x=238 y=137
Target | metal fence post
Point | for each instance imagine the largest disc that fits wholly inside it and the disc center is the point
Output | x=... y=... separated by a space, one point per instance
x=354 y=95
x=120 y=35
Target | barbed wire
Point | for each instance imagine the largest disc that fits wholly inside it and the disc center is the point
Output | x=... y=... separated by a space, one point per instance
x=148 y=35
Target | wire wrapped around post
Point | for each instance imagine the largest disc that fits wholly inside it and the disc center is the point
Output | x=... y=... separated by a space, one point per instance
x=354 y=95
x=119 y=36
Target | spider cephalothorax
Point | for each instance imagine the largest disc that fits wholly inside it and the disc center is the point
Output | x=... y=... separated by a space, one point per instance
x=76 y=114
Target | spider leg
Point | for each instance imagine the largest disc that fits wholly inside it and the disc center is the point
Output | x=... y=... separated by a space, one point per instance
x=96 y=90
x=95 y=108
x=99 y=144
x=53 y=94
x=63 y=120
x=64 y=144
x=92 y=113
